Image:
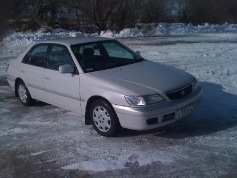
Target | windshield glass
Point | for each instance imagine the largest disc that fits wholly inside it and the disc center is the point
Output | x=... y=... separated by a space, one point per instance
x=104 y=55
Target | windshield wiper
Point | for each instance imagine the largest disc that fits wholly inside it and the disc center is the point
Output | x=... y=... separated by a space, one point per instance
x=124 y=63
x=118 y=65
x=139 y=60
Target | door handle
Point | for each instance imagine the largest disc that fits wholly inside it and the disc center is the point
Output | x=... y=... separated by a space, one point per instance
x=47 y=78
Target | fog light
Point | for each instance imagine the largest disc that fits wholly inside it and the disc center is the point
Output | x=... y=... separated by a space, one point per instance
x=152 y=121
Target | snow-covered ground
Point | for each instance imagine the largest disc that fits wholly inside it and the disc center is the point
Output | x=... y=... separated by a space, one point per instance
x=46 y=141
x=210 y=57
x=15 y=42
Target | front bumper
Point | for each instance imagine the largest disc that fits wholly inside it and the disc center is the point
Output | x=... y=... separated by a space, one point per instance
x=157 y=115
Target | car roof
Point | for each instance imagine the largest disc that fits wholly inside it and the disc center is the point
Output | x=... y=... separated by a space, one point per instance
x=75 y=40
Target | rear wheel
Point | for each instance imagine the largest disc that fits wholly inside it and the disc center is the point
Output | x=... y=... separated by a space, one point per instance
x=24 y=94
x=104 y=119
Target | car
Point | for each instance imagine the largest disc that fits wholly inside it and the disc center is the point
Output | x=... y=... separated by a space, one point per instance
x=107 y=83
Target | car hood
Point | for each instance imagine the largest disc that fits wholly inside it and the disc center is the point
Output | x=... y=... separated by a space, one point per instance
x=147 y=77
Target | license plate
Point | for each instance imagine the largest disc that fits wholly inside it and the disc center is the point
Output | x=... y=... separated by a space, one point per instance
x=185 y=111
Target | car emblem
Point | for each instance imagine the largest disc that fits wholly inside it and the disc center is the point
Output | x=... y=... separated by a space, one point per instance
x=183 y=93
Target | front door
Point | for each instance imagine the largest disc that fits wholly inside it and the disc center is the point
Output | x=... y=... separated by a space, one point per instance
x=61 y=89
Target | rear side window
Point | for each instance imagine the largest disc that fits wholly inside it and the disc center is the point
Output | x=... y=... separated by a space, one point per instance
x=36 y=56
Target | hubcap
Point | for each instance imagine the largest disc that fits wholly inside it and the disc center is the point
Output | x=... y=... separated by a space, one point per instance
x=22 y=93
x=101 y=118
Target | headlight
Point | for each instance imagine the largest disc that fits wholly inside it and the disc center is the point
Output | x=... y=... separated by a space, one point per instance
x=135 y=100
x=151 y=99
x=144 y=100
x=194 y=84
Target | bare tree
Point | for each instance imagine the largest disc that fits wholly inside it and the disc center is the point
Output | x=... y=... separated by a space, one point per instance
x=232 y=10
x=96 y=12
x=98 y=15
x=124 y=14
x=153 y=11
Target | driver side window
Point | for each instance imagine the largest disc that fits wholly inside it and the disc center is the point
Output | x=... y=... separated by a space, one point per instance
x=59 y=55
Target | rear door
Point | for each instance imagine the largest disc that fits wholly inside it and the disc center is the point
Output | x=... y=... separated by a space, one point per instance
x=32 y=70
x=61 y=89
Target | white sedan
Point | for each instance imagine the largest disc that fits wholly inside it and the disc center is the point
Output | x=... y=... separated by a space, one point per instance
x=104 y=81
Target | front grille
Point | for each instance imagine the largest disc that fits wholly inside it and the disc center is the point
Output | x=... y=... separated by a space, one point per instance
x=180 y=93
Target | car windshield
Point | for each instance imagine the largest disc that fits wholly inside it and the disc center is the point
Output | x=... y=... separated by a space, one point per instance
x=104 y=55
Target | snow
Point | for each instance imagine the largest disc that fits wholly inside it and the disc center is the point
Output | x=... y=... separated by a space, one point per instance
x=209 y=61
x=204 y=144
x=39 y=153
x=122 y=162
x=13 y=131
x=3 y=67
x=181 y=29
x=128 y=32
x=14 y=43
x=171 y=29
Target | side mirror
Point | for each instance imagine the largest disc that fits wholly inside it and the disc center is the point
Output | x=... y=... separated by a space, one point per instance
x=67 y=68
x=138 y=52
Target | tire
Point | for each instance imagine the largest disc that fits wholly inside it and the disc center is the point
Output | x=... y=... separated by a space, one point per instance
x=104 y=118
x=24 y=94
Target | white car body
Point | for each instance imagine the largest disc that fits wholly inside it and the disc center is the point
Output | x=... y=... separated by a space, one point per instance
x=77 y=91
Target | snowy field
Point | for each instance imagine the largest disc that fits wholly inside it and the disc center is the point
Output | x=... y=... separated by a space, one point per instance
x=47 y=141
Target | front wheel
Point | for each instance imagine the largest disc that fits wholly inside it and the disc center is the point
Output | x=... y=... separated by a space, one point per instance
x=104 y=119
x=24 y=94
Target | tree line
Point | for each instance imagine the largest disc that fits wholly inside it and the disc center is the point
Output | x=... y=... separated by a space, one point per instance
x=98 y=15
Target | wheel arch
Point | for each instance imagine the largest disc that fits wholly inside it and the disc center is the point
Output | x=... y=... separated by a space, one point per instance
x=16 y=81
x=88 y=106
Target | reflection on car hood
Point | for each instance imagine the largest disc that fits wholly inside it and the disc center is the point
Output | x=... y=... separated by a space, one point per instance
x=147 y=77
